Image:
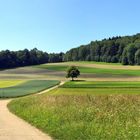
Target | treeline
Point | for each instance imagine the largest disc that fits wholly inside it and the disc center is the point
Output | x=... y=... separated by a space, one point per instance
x=125 y=50
x=11 y=59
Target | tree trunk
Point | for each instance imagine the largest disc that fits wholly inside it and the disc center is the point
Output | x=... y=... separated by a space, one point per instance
x=72 y=79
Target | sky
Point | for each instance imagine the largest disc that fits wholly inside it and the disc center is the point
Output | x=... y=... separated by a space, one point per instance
x=59 y=25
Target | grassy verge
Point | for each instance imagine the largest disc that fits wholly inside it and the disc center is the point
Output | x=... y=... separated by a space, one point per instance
x=26 y=88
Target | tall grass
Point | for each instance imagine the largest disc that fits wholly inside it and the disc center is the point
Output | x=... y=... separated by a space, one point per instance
x=82 y=117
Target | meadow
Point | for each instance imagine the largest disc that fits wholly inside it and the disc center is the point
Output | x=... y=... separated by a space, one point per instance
x=89 y=68
x=85 y=110
x=22 y=88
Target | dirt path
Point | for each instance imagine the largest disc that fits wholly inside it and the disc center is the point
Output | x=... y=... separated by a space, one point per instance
x=14 y=128
x=47 y=90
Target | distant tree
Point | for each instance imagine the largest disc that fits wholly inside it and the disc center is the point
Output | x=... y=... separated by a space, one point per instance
x=72 y=72
x=137 y=57
x=11 y=59
x=124 y=57
x=131 y=49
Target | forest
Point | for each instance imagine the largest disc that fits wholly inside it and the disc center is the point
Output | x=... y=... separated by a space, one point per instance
x=11 y=59
x=125 y=50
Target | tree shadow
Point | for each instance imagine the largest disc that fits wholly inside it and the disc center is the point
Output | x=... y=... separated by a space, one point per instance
x=78 y=80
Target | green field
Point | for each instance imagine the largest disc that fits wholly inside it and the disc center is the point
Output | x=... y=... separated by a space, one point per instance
x=96 y=91
x=85 y=111
x=92 y=70
x=101 y=84
x=26 y=88
x=10 y=83
x=97 y=88
x=92 y=62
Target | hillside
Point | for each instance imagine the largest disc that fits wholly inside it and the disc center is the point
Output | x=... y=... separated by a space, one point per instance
x=125 y=50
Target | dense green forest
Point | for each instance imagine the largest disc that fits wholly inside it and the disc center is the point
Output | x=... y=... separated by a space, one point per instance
x=11 y=59
x=125 y=50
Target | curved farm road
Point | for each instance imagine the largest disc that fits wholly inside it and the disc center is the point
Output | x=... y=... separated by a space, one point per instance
x=14 y=128
x=47 y=90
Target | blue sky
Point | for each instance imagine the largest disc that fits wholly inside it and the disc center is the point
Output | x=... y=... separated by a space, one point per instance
x=58 y=25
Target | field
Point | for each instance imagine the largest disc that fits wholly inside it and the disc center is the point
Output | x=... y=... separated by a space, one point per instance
x=97 y=68
x=85 y=111
x=10 y=83
x=91 y=71
x=25 y=88
x=103 y=84
x=94 y=70
x=103 y=103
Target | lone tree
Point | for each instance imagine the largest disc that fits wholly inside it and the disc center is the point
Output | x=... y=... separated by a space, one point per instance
x=72 y=72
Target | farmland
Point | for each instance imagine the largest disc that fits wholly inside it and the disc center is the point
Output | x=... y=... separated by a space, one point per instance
x=85 y=110
x=103 y=103
x=10 y=83
x=26 y=88
x=90 y=71
x=103 y=84
x=97 y=68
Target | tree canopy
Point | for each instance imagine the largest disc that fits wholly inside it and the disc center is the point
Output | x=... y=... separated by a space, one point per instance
x=11 y=59
x=125 y=50
x=72 y=72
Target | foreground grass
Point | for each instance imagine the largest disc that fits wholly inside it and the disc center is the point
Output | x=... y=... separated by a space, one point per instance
x=26 y=88
x=85 y=111
x=80 y=117
x=9 y=83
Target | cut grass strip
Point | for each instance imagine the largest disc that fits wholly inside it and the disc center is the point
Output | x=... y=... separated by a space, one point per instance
x=101 y=84
x=94 y=91
x=27 y=88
